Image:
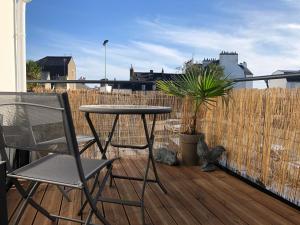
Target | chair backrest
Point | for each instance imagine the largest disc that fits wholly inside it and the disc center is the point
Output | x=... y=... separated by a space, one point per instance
x=37 y=122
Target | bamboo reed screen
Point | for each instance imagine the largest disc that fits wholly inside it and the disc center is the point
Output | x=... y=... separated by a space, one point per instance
x=129 y=129
x=260 y=130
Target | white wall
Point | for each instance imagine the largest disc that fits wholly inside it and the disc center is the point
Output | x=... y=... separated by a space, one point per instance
x=20 y=35
x=12 y=45
x=248 y=84
x=7 y=52
x=232 y=69
x=278 y=83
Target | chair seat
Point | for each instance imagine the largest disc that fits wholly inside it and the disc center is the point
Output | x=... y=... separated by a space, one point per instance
x=59 y=169
x=80 y=139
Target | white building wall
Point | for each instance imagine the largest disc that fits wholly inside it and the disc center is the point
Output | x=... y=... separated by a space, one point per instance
x=7 y=46
x=231 y=67
x=12 y=45
x=248 y=84
x=20 y=39
x=278 y=83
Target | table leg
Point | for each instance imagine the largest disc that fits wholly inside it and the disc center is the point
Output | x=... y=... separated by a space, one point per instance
x=102 y=149
x=150 y=140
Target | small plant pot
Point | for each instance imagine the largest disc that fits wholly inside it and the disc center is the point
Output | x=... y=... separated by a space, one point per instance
x=188 y=148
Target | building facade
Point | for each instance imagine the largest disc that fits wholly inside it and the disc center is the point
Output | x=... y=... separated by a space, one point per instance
x=229 y=61
x=58 y=68
x=150 y=76
x=292 y=82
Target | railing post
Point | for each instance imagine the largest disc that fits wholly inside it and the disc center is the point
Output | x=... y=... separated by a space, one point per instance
x=3 y=202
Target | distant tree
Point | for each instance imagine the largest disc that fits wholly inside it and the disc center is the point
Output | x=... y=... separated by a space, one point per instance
x=219 y=70
x=195 y=67
x=33 y=72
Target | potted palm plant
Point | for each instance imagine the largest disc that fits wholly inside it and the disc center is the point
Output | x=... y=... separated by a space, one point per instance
x=201 y=85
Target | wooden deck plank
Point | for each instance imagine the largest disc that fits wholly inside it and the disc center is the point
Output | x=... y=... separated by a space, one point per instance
x=271 y=203
x=199 y=212
x=30 y=212
x=70 y=209
x=193 y=197
x=247 y=208
x=51 y=202
x=195 y=173
x=154 y=207
x=114 y=213
x=127 y=192
x=174 y=208
x=13 y=198
x=206 y=198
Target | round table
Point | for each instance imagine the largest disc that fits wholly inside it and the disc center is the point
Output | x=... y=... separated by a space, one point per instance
x=118 y=110
x=125 y=109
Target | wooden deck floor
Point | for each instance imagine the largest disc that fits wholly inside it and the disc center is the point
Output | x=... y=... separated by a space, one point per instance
x=194 y=198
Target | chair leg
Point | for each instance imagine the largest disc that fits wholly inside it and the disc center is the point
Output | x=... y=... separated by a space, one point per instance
x=88 y=219
x=26 y=192
x=93 y=203
x=25 y=195
x=64 y=193
x=25 y=203
x=111 y=177
x=91 y=192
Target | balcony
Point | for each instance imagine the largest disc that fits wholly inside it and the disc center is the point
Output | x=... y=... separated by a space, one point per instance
x=258 y=128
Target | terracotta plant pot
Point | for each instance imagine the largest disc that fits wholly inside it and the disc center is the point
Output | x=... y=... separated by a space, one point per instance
x=188 y=148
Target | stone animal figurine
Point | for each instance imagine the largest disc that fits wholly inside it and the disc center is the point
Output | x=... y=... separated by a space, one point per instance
x=207 y=157
x=166 y=156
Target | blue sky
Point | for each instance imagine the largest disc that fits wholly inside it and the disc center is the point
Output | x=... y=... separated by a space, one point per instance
x=160 y=34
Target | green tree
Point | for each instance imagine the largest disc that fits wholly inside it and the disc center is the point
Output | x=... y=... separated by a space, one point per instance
x=33 y=72
x=197 y=67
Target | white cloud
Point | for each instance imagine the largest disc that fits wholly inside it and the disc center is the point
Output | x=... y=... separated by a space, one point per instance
x=262 y=38
x=292 y=26
x=267 y=39
x=89 y=56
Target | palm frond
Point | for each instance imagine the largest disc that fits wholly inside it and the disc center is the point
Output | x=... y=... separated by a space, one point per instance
x=202 y=85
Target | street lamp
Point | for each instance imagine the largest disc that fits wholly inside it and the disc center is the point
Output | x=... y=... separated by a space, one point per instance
x=104 y=44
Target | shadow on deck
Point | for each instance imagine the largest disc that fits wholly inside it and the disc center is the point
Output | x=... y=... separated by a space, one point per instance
x=193 y=197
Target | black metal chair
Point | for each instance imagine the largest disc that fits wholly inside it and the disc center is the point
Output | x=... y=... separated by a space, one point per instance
x=29 y=124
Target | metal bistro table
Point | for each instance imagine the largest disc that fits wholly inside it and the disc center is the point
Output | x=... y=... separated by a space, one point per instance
x=118 y=110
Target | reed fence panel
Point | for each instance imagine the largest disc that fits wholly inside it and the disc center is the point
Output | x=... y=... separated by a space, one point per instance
x=260 y=130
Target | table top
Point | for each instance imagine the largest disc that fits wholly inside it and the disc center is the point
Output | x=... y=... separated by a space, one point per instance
x=125 y=109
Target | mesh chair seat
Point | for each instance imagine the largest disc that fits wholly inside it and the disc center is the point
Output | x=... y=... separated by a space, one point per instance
x=81 y=139
x=58 y=169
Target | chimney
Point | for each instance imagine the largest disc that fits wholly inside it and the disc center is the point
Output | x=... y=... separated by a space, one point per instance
x=132 y=76
x=151 y=71
x=228 y=58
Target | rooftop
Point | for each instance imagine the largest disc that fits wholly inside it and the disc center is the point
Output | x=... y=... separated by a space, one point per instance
x=54 y=60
